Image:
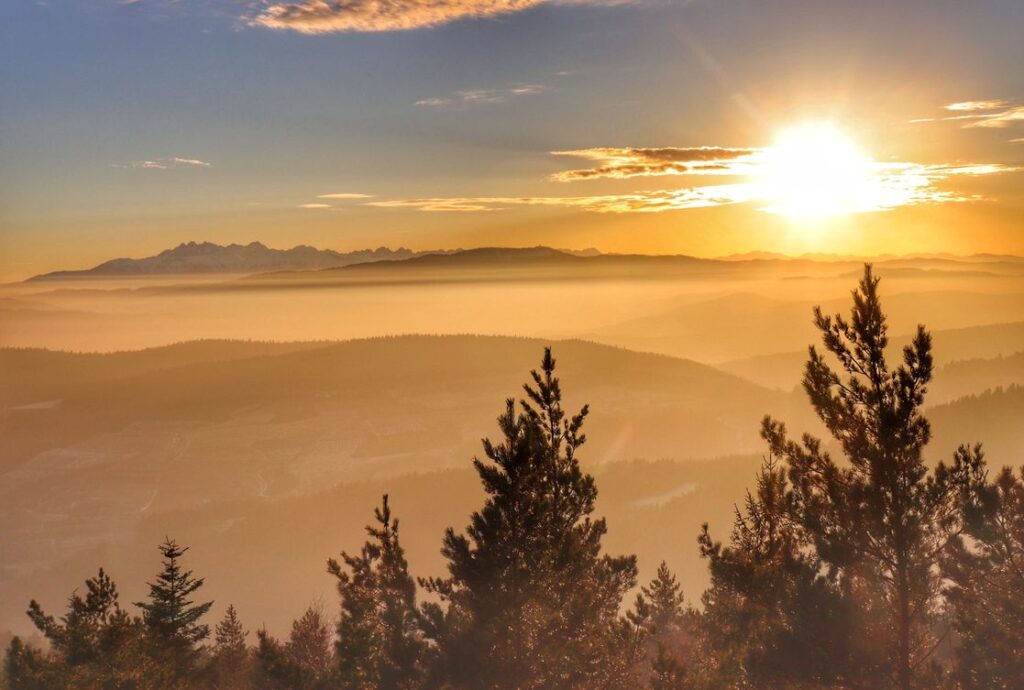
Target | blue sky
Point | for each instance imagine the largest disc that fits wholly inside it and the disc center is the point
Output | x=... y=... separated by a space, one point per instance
x=129 y=127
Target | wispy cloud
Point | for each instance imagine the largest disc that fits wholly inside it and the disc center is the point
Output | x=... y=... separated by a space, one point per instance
x=315 y=206
x=165 y=164
x=976 y=105
x=345 y=195
x=882 y=187
x=328 y=16
x=639 y=202
x=993 y=114
x=623 y=163
x=482 y=96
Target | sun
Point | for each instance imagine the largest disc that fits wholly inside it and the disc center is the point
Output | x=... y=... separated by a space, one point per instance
x=815 y=171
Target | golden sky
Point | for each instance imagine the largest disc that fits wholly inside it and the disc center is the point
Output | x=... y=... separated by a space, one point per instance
x=700 y=127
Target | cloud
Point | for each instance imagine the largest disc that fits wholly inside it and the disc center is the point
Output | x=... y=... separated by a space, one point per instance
x=1017 y=141
x=482 y=96
x=345 y=195
x=639 y=202
x=315 y=206
x=1000 y=119
x=329 y=16
x=165 y=164
x=976 y=105
x=624 y=163
x=883 y=187
x=993 y=114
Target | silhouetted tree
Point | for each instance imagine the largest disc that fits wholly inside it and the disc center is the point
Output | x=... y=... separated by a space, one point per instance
x=771 y=618
x=667 y=626
x=986 y=590
x=880 y=516
x=379 y=646
x=304 y=662
x=95 y=644
x=27 y=668
x=230 y=667
x=531 y=601
x=172 y=619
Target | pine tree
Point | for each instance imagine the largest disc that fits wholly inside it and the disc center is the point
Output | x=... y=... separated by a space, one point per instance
x=667 y=628
x=771 y=619
x=304 y=662
x=95 y=643
x=880 y=517
x=172 y=618
x=531 y=601
x=379 y=646
x=985 y=572
x=229 y=662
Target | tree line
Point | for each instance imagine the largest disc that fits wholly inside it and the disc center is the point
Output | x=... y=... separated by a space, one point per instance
x=864 y=569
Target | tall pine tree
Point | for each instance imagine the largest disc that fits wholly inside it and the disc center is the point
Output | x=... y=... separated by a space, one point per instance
x=880 y=518
x=531 y=600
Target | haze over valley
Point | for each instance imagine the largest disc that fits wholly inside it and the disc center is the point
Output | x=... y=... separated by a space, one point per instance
x=219 y=406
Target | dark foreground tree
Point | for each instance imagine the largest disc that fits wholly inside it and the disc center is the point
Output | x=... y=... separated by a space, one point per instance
x=230 y=667
x=879 y=520
x=379 y=645
x=172 y=619
x=667 y=630
x=986 y=592
x=772 y=618
x=530 y=600
x=95 y=644
x=305 y=661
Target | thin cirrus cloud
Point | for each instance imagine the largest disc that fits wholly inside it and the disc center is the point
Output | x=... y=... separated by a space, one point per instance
x=624 y=163
x=639 y=202
x=345 y=195
x=482 y=96
x=992 y=114
x=330 y=16
x=880 y=186
x=165 y=164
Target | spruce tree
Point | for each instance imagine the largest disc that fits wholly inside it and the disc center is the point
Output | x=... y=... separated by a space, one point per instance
x=379 y=646
x=880 y=518
x=229 y=662
x=172 y=618
x=531 y=600
x=667 y=628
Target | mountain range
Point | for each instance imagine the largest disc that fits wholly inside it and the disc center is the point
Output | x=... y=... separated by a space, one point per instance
x=310 y=263
x=208 y=257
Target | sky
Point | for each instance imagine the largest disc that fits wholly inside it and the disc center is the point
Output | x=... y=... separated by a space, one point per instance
x=703 y=127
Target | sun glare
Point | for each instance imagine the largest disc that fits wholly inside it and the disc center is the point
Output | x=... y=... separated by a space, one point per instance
x=814 y=171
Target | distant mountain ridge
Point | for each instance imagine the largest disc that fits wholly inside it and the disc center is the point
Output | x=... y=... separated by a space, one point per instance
x=208 y=257
x=262 y=262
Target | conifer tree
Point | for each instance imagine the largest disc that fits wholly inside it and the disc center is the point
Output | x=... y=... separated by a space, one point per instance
x=879 y=517
x=531 y=600
x=379 y=646
x=304 y=662
x=667 y=628
x=172 y=618
x=229 y=662
x=96 y=643
x=770 y=618
x=985 y=573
